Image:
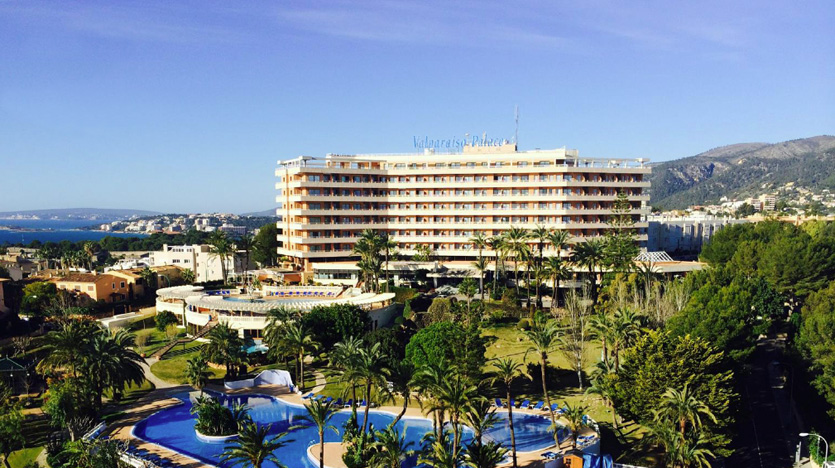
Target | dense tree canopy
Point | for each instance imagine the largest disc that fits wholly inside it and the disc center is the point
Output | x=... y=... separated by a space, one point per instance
x=450 y=341
x=816 y=340
x=265 y=249
x=661 y=360
x=332 y=324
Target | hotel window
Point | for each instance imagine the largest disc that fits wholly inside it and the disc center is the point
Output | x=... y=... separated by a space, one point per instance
x=314 y=192
x=113 y=285
x=440 y=165
x=497 y=164
x=314 y=178
x=470 y=164
x=522 y=163
x=90 y=288
x=400 y=166
x=438 y=179
x=121 y=284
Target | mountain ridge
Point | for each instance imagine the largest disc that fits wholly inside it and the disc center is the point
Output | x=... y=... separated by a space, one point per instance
x=743 y=169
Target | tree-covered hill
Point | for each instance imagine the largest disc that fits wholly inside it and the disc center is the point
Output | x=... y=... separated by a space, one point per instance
x=743 y=170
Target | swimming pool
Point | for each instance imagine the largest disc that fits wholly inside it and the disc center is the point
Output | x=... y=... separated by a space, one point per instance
x=173 y=428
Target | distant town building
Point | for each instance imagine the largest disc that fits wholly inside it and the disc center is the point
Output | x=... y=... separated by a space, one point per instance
x=199 y=259
x=3 y=307
x=236 y=231
x=684 y=235
x=106 y=287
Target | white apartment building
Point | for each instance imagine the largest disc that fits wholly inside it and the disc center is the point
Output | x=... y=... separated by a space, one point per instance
x=442 y=200
x=198 y=258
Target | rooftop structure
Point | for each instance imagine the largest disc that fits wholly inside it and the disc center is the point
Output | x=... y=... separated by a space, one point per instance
x=442 y=200
x=248 y=312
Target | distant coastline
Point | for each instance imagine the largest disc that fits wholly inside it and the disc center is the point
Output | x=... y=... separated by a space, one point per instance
x=25 y=231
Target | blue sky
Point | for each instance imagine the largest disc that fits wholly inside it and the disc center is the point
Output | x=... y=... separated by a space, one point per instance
x=186 y=106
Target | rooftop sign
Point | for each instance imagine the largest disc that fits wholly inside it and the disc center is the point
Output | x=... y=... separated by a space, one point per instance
x=456 y=143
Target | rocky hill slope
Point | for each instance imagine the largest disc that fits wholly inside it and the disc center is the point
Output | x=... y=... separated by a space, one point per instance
x=742 y=170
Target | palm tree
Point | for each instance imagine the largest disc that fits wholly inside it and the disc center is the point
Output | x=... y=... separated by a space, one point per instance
x=516 y=238
x=541 y=234
x=368 y=248
x=480 y=242
x=559 y=239
x=557 y=270
x=507 y=370
x=390 y=449
x=601 y=327
x=575 y=417
x=344 y=356
x=197 y=373
x=497 y=244
x=680 y=452
x=113 y=363
x=401 y=376
x=489 y=455
x=682 y=407
x=221 y=249
x=626 y=326
x=480 y=416
x=455 y=394
x=252 y=447
x=481 y=265
x=543 y=335
x=90 y=249
x=224 y=346
x=438 y=452
x=65 y=347
x=296 y=340
x=428 y=380
x=389 y=246
x=372 y=371
x=601 y=385
x=423 y=253
x=319 y=414
x=591 y=254
x=187 y=275
x=246 y=243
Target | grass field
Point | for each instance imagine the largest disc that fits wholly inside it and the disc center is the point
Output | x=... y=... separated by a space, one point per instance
x=171 y=370
x=23 y=457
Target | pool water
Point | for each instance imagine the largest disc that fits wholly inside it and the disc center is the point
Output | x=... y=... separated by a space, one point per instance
x=174 y=428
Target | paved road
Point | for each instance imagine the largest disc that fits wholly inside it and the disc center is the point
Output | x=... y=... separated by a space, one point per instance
x=762 y=440
x=158 y=383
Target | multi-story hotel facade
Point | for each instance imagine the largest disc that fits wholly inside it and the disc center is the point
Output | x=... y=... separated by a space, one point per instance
x=442 y=200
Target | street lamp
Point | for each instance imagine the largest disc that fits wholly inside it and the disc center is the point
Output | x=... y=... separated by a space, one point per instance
x=826 y=456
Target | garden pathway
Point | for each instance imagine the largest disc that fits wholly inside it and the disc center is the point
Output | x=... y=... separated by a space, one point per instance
x=158 y=383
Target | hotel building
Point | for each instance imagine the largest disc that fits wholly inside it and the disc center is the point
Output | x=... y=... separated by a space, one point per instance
x=442 y=200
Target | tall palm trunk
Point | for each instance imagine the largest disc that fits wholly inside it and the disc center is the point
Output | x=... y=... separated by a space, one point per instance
x=354 y=399
x=538 y=295
x=496 y=273
x=401 y=414
x=510 y=424
x=322 y=447
x=516 y=274
x=543 y=364
x=367 y=404
x=387 y=269
x=301 y=370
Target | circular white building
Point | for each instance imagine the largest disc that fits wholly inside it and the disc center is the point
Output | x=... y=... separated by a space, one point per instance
x=248 y=313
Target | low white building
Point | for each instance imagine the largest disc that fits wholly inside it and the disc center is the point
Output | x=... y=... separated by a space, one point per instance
x=199 y=259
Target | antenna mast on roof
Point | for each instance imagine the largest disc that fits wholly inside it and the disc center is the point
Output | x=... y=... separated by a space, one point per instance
x=516 y=136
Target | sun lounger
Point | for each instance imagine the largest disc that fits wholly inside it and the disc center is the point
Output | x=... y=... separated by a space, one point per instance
x=555 y=407
x=328 y=399
x=338 y=402
x=309 y=395
x=525 y=404
x=512 y=403
x=363 y=403
x=349 y=403
x=499 y=403
x=538 y=405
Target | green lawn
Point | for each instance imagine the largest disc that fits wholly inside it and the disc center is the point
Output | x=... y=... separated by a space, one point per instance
x=156 y=340
x=171 y=370
x=24 y=457
x=510 y=342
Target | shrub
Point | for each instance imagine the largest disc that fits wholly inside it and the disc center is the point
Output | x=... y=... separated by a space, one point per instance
x=407 y=310
x=165 y=318
x=524 y=324
x=402 y=295
x=214 y=419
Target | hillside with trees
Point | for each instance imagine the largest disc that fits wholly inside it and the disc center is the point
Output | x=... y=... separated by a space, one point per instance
x=742 y=170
